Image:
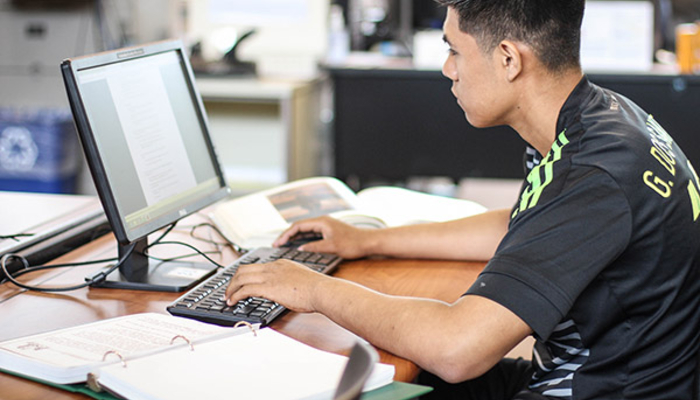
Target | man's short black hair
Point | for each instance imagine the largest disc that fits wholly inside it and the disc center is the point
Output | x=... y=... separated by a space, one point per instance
x=552 y=28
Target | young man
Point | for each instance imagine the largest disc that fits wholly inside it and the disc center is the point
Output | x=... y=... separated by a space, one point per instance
x=597 y=260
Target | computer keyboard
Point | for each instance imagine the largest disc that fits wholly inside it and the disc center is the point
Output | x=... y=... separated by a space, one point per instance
x=203 y=302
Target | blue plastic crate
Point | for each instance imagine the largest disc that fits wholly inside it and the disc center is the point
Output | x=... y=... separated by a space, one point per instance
x=39 y=151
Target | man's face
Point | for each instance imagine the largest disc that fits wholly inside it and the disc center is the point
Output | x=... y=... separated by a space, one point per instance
x=474 y=75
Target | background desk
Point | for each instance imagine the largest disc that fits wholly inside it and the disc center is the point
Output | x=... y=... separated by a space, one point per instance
x=393 y=124
x=24 y=313
x=266 y=132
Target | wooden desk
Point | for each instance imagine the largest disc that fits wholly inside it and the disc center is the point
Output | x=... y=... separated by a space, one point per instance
x=24 y=313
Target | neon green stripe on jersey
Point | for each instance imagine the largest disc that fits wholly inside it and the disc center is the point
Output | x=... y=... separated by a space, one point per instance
x=531 y=195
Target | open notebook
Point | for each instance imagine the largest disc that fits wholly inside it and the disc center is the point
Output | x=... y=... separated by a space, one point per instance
x=155 y=356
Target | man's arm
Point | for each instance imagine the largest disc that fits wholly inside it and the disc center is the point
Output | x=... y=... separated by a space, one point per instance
x=457 y=341
x=471 y=238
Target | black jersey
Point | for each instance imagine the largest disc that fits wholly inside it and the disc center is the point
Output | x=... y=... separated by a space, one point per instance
x=600 y=258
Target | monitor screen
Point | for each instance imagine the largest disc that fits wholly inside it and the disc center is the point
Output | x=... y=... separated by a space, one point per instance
x=144 y=131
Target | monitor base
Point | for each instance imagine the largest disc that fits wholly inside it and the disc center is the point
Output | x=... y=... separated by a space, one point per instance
x=169 y=276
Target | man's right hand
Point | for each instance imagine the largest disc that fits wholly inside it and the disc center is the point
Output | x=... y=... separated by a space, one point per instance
x=339 y=238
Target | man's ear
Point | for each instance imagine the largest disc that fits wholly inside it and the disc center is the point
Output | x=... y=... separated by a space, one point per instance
x=510 y=59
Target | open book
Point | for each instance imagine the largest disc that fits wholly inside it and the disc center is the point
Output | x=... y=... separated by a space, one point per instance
x=156 y=356
x=258 y=219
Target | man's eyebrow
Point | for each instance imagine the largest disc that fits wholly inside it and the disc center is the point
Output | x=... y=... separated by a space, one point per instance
x=446 y=40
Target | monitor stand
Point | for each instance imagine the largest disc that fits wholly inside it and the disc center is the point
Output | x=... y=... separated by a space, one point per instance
x=138 y=272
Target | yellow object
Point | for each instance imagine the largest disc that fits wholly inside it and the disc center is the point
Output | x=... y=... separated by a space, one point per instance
x=687 y=48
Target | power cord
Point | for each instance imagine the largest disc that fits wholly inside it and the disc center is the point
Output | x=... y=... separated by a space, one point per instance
x=28 y=269
x=100 y=276
x=16 y=236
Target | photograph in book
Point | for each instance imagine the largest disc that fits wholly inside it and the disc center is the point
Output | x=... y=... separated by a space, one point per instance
x=258 y=219
x=308 y=201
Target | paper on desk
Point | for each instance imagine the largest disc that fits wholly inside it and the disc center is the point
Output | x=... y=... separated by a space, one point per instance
x=267 y=366
x=67 y=355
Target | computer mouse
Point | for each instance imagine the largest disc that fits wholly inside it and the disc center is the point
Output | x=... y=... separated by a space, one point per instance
x=301 y=238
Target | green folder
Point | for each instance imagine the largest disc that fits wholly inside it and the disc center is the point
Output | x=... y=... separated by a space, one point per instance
x=392 y=391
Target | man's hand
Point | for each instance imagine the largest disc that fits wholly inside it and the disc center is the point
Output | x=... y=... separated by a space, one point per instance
x=283 y=281
x=339 y=238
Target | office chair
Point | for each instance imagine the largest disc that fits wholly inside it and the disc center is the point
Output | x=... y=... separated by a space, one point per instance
x=357 y=370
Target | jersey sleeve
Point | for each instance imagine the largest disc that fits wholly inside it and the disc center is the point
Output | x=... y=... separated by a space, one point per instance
x=555 y=249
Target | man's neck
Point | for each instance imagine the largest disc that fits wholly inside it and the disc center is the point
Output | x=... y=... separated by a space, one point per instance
x=543 y=96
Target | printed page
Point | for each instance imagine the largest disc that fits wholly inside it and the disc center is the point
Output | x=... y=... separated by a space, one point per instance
x=397 y=206
x=49 y=354
x=151 y=131
x=257 y=219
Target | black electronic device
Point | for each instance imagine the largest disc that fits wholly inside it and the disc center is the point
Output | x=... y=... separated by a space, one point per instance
x=205 y=301
x=302 y=238
x=144 y=132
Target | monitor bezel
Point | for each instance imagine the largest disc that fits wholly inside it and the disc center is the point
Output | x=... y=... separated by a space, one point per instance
x=70 y=68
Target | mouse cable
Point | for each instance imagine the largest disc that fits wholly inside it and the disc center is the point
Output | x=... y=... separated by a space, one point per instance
x=237 y=248
x=197 y=252
x=182 y=257
x=159 y=241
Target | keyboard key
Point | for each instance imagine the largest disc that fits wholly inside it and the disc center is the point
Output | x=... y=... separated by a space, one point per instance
x=314 y=258
x=205 y=302
x=245 y=310
x=327 y=260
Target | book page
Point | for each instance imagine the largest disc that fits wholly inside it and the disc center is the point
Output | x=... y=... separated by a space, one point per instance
x=257 y=219
x=86 y=345
x=397 y=206
x=308 y=201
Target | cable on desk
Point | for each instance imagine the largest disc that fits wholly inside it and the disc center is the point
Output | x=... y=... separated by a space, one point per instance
x=16 y=235
x=27 y=269
x=103 y=275
x=24 y=261
x=95 y=279
x=238 y=249
x=198 y=252
x=182 y=257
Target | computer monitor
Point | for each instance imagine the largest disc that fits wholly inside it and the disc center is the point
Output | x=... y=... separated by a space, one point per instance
x=144 y=132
